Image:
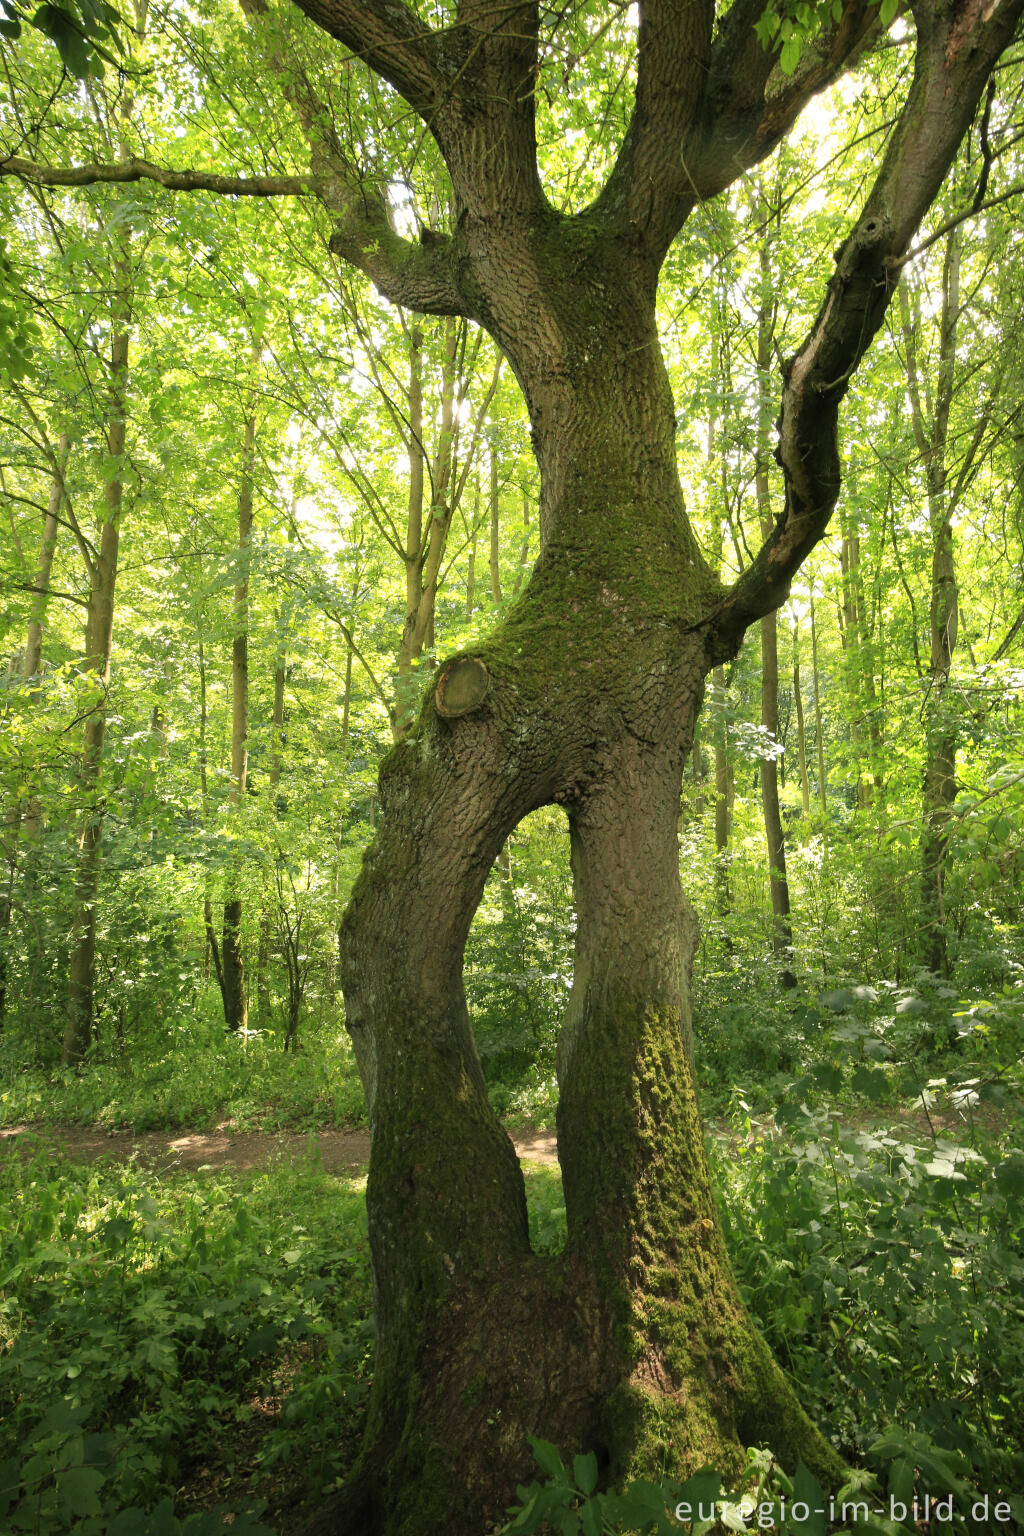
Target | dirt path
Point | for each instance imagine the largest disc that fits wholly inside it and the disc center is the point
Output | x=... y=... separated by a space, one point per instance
x=339 y=1151
x=348 y=1152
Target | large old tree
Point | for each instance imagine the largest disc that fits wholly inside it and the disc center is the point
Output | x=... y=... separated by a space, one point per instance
x=633 y=1342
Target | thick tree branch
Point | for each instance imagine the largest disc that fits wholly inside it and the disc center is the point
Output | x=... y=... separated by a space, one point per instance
x=143 y=170
x=389 y=37
x=749 y=105
x=418 y=276
x=957 y=48
x=491 y=57
x=649 y=189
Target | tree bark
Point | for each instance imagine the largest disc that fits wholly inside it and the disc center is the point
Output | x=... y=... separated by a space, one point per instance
x=782 y=926
x=32 y=665
x=819 y=734
x=634 y=1342
x=25 y=822
x=495 y=523
x=263 y=952
x=941 y=733
x=212 y=944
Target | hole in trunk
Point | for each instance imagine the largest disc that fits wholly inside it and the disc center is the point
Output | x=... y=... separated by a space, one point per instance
x=518 y=972
x=518 y=967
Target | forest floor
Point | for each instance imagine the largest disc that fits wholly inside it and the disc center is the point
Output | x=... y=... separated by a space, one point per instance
x=344 y=1152
x=348 y=1152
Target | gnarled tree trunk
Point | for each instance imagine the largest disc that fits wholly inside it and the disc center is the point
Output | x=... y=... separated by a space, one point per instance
x=586 y=696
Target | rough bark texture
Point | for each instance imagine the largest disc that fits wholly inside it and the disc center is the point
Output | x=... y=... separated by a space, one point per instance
x=636 y=1337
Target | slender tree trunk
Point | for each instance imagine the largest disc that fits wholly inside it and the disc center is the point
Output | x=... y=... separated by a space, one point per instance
x=818 y=732
x=274 y=778
x=939 y=787
x=524 y=553
x=471 y=568
x=236 y=1007
x=723 y=802
x=782 y=925
x=346 y=717
x=495 y=520
x=782 y=929
x=26 y=822
x=801 y=735
x=425 y=546
x=212 y=945
x=698 y=774
x=99 y=636
x=40 y=599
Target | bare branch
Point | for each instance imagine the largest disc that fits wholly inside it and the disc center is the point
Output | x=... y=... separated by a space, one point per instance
x=408 y=273
x=144 y=170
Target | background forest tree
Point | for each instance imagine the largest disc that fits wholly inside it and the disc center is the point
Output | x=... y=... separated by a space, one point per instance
x=275 y=497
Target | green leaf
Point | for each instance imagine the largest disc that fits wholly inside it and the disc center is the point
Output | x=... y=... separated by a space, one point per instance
x=546 y=1457
x=887 y=12
x=872 y=1083
x=584 y=1470
x=591 y=1522
x=809 y=1494
x=1009 y=1174
x=78 y=1489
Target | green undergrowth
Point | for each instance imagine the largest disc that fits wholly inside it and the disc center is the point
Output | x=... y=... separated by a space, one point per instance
x=176 y=1344
x=196 y=1077
x=861 y=1046
x=887 y=1274
x=163 y=1336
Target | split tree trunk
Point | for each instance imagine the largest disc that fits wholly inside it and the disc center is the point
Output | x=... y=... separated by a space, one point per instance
x=586 y=696
x=634 y=1343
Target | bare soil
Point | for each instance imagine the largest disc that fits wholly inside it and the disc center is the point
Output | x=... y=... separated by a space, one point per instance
x=340 y=1152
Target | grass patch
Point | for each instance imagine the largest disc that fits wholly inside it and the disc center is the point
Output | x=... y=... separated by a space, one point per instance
x=199 y=1078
